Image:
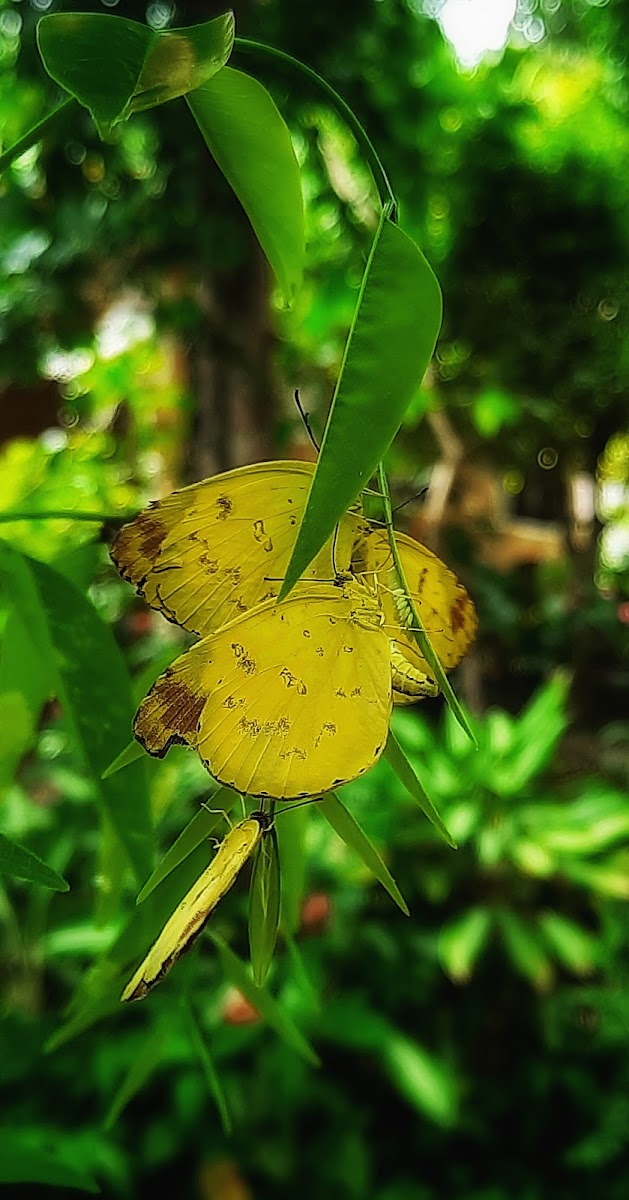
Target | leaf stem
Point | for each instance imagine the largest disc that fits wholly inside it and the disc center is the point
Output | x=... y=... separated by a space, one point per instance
x=381 y=180
x=34 y=134
x=419 y=633
x=69 y=514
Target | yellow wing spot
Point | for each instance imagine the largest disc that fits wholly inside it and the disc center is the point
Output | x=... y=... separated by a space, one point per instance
x=341 y=693
x=307 y=633
x=348 y=649
x=328 y=727
x=294 y=752
x=250 y=728
x=357 y=691
x=210 y=564
x=320 y=651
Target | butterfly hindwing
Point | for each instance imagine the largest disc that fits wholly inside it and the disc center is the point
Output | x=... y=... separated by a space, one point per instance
x=286 y=701
x=443 y=605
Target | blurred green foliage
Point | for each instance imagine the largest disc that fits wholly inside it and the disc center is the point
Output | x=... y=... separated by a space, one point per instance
x=479 y=1048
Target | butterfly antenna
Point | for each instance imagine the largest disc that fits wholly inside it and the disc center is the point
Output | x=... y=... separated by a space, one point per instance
x=306 y=420
x=219 y=812
x=416 y=496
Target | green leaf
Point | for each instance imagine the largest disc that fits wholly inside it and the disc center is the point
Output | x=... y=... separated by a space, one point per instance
x=209 y=1070
x=114 y=66
x=264 y=906
x=19 y=863
x=423 y=1079
x=268 y=1008
x=390 y=343
x=196 y=831
x=90 y=679
x=349 y=831
x=405 y=772
x=24 y=688
x=525 y=949
x=131 y=753
x=461 y=942
x=249 y=139
x=291 y=832
x=139 y=1072
x=575 y=948
x=37 y=1155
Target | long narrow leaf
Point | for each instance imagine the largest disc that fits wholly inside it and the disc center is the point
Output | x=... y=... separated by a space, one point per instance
x=291 y=830
x=249 y=139
x=405 y=772
x=90 y=679
x=264 y=906
x=20 y=863
x=348 y=829
x=139 y=1072
x=209 y=1070
x=390 y=343
x=268 y=1008
x=196 y=831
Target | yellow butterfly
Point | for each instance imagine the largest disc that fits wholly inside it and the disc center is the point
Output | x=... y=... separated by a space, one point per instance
x=211 y=551
x=190 y=917
x=443 y=605
x=286 y=701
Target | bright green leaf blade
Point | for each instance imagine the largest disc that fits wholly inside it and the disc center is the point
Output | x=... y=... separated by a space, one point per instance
x=462 y=941
x=405 y=772
x=130 y=754
x=96 y=57
x=181 y=60
x=140 y=1071
x=90 y=679
x=575 y=947
x=525 y=948
x=209 y=1070
x=291 y=831
x=19 y=863
x=268 y=1008
x=24 y=688
x=196 y=831
x=249 y=139
x=113 y=66
x=424 y=1080
x=349 y=831
x=42 y=1156
x=389 y=347
x=264 y=906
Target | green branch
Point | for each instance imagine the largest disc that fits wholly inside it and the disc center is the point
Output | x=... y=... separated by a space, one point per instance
x=35 y=134
x=381 y=180
x=66 y=515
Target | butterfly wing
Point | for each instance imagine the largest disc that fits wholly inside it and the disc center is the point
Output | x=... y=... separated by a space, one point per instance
x=190 y=916
x=215 y=549
x=287 y=701
x=443 y=605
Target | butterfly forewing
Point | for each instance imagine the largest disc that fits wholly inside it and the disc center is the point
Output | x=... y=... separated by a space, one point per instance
x=189 y=918
x=211 y=551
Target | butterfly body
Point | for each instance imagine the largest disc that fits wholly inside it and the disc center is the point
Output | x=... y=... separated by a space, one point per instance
x=191 y=915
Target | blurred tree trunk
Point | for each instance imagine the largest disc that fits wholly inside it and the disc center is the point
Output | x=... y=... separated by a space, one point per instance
x=231 y=370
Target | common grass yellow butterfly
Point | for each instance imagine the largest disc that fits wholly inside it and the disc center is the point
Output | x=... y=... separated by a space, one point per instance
x=285 y=701
x=191 y=915
x=211 y=551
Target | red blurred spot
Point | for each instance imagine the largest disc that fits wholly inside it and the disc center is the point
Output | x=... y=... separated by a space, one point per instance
x=238 y=1010
x=623 y=612
x=316 y=913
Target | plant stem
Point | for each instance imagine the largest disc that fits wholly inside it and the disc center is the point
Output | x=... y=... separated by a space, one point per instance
x=385 y=191
x=418 y=631
x=35 y=134
x=66 y=515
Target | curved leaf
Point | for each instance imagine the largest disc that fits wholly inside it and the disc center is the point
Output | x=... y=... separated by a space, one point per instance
x=264 y=906
x=249 y=139
x=390 y=343
x=114 y=66
x=20 y=863
x=348 y=829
